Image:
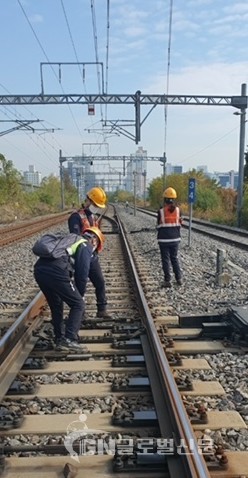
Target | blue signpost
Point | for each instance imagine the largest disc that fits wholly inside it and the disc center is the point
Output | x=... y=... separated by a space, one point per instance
x=191 y=200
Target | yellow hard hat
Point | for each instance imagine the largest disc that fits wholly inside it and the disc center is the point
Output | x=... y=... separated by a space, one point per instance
x=97 y=196
x=170 y=193
x=95 y=230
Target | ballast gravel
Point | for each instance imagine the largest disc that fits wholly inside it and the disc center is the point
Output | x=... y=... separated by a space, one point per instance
x=198 y=294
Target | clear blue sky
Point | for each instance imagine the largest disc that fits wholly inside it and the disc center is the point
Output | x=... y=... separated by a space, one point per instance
x=209 y=43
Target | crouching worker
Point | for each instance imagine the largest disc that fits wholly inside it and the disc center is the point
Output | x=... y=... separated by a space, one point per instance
x=64 y=279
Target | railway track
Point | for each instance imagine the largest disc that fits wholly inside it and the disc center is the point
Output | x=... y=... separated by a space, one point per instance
x=135 y=380
x=229 y=235
x=15 y=232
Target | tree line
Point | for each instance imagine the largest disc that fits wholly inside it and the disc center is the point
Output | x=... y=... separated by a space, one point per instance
x=212 y=203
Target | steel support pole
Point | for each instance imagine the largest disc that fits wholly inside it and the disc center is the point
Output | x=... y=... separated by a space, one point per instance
x=137 y=117
x=134 y=193
x=241 y=159
x=61 y=172
x=163 y=160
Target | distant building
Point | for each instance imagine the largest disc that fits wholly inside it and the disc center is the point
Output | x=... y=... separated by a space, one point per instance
x=31 y=176
x=227 y=180
x=170 y=169
x=203 y=168
x=79 y=170
x=136 y=171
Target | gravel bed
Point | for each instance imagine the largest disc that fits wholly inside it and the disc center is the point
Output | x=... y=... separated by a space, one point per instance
x=198 y=294
x=85 y=377
x=42 y=406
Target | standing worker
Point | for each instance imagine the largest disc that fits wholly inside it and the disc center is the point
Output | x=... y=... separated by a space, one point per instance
x=61 y=281
x=169 y=222
x=77 y=223
x=84 y=217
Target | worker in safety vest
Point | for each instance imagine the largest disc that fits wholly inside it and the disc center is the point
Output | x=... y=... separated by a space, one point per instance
x=64 y=280
x=169 y=222
x=84 y=217
x=77 y=223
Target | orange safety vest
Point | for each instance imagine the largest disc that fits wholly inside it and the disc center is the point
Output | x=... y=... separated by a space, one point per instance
x=168 y=218
x=85 y=223
x=169 y=225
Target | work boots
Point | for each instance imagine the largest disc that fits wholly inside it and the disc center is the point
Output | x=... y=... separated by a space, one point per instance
x=103 y=314
x=166 y=284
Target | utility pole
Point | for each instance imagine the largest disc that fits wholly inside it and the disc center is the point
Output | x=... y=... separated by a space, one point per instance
x=134 y=193
x=163 y=162
x=78 y=186
x=144 y=174
x=61 y=172
x=242 y=115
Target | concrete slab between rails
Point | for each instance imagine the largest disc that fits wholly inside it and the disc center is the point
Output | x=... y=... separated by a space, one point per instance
x=199 y=347
x=108 y=348
x=9 y=320
x=52 y=467
x=115 y=290
x=237 y=466
x=217 y=420
x=101 y=423
x=93 y=332
x=82 y=366
x=98 y=423
x=193 y=364
x=76 y=390
x=166 y=319
x=106 y=366
x=205 y=388
x=116 y=307
x=177 y=332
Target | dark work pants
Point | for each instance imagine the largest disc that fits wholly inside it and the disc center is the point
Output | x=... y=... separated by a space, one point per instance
x=97 y=279
x=169 y=254
x=58 y=290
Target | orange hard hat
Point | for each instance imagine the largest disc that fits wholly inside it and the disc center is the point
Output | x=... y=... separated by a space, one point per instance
x=97 y=196
x=95 y=230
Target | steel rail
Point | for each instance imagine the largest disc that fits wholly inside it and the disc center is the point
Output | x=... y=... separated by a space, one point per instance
x=5 y=228
x=27 y=229
x=195 y=465
x=18 y=341
x=31 y=311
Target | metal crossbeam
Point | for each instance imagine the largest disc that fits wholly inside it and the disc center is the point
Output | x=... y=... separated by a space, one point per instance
x=204 y=100
x=92 y=157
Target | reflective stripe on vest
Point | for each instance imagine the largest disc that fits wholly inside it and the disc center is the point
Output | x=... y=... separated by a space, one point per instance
x=73 y=248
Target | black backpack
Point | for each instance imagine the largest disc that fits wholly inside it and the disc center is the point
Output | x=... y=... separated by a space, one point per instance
x=54 y=246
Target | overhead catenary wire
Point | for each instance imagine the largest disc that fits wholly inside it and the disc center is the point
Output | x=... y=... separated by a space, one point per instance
x=82 y=76
x=73 y=43
x=46 y=56
x=31 y=138
x=93 y=17
x=209 y=145
x=107 y=56
x=19 y=115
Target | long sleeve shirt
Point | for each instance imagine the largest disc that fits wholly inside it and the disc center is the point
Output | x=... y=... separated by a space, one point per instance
x=79 y=220
x=82 y=259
